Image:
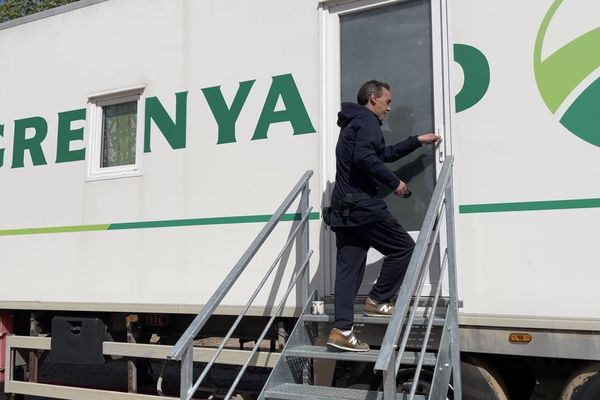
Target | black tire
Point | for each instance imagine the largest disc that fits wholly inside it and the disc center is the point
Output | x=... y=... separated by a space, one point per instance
x=480 y=380
x=583 y=384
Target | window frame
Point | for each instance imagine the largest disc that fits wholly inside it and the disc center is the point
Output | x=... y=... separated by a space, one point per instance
x=95 y=111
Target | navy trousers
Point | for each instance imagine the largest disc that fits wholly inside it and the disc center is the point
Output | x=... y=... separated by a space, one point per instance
x=390 y=239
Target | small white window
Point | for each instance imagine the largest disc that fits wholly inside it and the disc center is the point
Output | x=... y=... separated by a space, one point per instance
x=115 y=127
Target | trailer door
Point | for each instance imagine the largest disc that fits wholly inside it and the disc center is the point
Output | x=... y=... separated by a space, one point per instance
x=402 y=43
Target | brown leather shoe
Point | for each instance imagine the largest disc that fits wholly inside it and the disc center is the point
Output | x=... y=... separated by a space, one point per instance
x=372 y=309
x=347 y=343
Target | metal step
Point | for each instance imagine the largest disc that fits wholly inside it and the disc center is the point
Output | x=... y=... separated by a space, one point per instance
x=364 y=319
x=290 y=391
x=424 y=301
x=324 y=352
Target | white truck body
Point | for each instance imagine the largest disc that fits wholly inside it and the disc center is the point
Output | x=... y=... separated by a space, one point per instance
x=161 y=238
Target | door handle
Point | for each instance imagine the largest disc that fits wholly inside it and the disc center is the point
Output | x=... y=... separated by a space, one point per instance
x=438 y=146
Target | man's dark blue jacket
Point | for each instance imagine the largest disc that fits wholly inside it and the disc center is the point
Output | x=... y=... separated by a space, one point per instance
x=361 y=153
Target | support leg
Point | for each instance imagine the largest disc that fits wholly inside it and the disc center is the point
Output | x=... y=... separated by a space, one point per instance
x=33 y=364
x=133 y=334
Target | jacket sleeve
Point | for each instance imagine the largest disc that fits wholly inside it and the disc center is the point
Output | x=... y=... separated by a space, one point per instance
x=368 y=138
x=401 y=149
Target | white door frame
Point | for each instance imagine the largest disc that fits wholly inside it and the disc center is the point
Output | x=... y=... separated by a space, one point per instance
x=330 y=99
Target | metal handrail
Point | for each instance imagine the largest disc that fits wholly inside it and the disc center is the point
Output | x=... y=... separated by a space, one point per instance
x=421 y=281
x=413 y=284
x=198 y=323
x=412 y=274
x=183 y=349
x=264 y=332
x=241 y=315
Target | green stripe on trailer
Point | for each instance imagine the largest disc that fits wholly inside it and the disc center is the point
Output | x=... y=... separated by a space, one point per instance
x=243 y=219
x=54 y=229
x=529 y=206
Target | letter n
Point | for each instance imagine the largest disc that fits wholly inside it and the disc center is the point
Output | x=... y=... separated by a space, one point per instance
x=174 y=132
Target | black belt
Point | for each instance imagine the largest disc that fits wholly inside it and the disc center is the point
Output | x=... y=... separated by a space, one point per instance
x=354 y=197
x=349 y=200
x=344 y=205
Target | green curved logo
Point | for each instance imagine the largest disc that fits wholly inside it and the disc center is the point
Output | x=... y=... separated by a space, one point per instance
x=563 y=71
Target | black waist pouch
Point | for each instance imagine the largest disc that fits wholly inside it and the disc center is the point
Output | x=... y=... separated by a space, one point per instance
x=326 y=214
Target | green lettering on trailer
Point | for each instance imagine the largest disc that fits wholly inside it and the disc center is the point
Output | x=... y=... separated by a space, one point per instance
x=295 y=112
x=1 y=150
x=66 y=135
x=227 y=117
x=476 y=70
x=174 y=132
x=32 y=144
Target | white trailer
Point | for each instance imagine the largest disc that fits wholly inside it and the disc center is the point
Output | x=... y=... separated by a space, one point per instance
x=143 y=147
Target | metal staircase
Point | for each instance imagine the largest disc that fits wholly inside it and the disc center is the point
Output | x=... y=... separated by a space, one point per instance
x=415 y=353
x=183 y=350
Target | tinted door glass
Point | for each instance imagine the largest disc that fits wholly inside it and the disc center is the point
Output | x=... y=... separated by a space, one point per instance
x=393 y=44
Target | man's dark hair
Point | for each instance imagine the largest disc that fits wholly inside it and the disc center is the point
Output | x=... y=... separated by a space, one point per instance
x=368 y=88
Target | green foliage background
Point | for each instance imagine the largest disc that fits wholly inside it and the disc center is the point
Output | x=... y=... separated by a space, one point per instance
x=12 y=9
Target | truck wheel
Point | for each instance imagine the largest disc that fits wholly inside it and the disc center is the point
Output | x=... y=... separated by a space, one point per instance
x=583 y=384
x=480 y=381
x=405 y=381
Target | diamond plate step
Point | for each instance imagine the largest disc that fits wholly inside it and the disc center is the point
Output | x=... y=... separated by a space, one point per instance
x=364 y=319
x=324 y=352
x=290 y=391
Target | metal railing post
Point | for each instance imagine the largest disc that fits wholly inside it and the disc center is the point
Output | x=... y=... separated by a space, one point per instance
x=304 y=281
x=187 y=373
x=453 y=288
x=389 y=380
